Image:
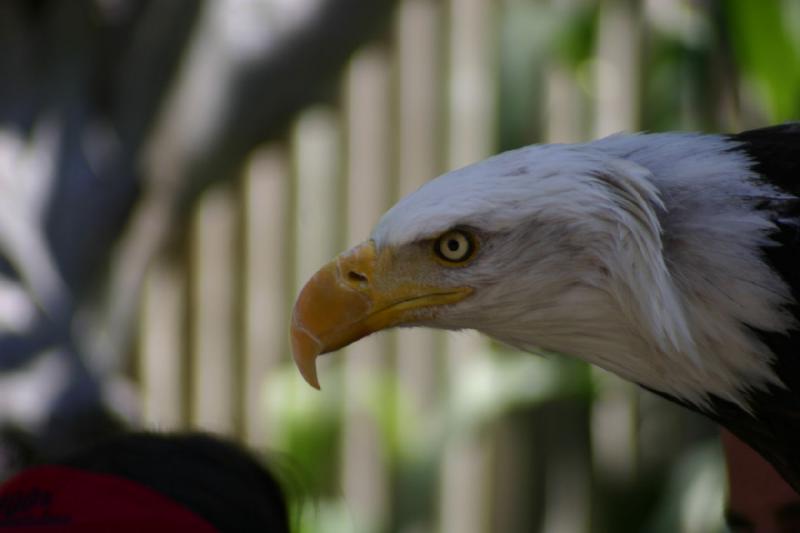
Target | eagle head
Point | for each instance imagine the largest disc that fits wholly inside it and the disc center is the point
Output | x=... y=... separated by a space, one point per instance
x=551 y=247
x=669 y=259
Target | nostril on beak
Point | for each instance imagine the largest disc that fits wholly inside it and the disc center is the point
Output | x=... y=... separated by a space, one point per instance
x=357 y=277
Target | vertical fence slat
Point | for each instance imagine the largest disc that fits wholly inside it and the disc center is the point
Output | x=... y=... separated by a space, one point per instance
x=364 y=476
x=465 y=486
x=212 y=312
x=617 y=74
x=316 y=163
x=618 y=86
x=418 y=107
x=567 y=506
x=161 y=360
x=419 y=150
x=471 y=90
x=470 y=129
x=563 y=101
x=265 y=204
x=563 y=106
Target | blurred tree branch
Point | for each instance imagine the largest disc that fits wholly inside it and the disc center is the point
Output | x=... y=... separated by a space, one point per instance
x=260 y=96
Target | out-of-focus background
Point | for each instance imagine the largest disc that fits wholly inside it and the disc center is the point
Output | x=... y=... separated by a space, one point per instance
x=172 y=172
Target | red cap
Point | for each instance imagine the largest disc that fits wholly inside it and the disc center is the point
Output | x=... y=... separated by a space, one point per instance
x=61 y=499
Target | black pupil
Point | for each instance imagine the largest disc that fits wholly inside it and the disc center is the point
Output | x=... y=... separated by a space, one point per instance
x=453 y=245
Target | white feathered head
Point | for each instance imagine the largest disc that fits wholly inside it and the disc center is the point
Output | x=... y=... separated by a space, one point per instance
x=556 y=247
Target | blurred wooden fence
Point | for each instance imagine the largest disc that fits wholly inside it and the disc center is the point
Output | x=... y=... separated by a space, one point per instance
x=214 y=325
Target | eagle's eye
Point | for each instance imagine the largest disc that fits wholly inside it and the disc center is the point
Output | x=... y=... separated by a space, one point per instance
x=455 y=246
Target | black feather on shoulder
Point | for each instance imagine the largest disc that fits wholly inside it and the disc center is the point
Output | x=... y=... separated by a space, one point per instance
x=773 y=429
x=775 y=152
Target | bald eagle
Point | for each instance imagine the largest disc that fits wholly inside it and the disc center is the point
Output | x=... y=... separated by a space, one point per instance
x=670 y=259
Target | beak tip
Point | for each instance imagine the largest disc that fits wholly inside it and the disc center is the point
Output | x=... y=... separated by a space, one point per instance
x=305 y=349
x=309 y=372
x=311 y=379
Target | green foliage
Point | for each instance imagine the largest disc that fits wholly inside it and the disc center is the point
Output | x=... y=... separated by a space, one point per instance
x=764 y=39
x=305 y=425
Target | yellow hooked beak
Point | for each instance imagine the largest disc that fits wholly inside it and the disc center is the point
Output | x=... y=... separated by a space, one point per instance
x=354 y=295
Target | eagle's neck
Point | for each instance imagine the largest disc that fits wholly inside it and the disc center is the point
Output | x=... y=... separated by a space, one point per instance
x=717 y=220
x=595 y=330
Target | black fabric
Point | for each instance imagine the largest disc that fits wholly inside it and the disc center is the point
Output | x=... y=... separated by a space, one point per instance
x=216 y=479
